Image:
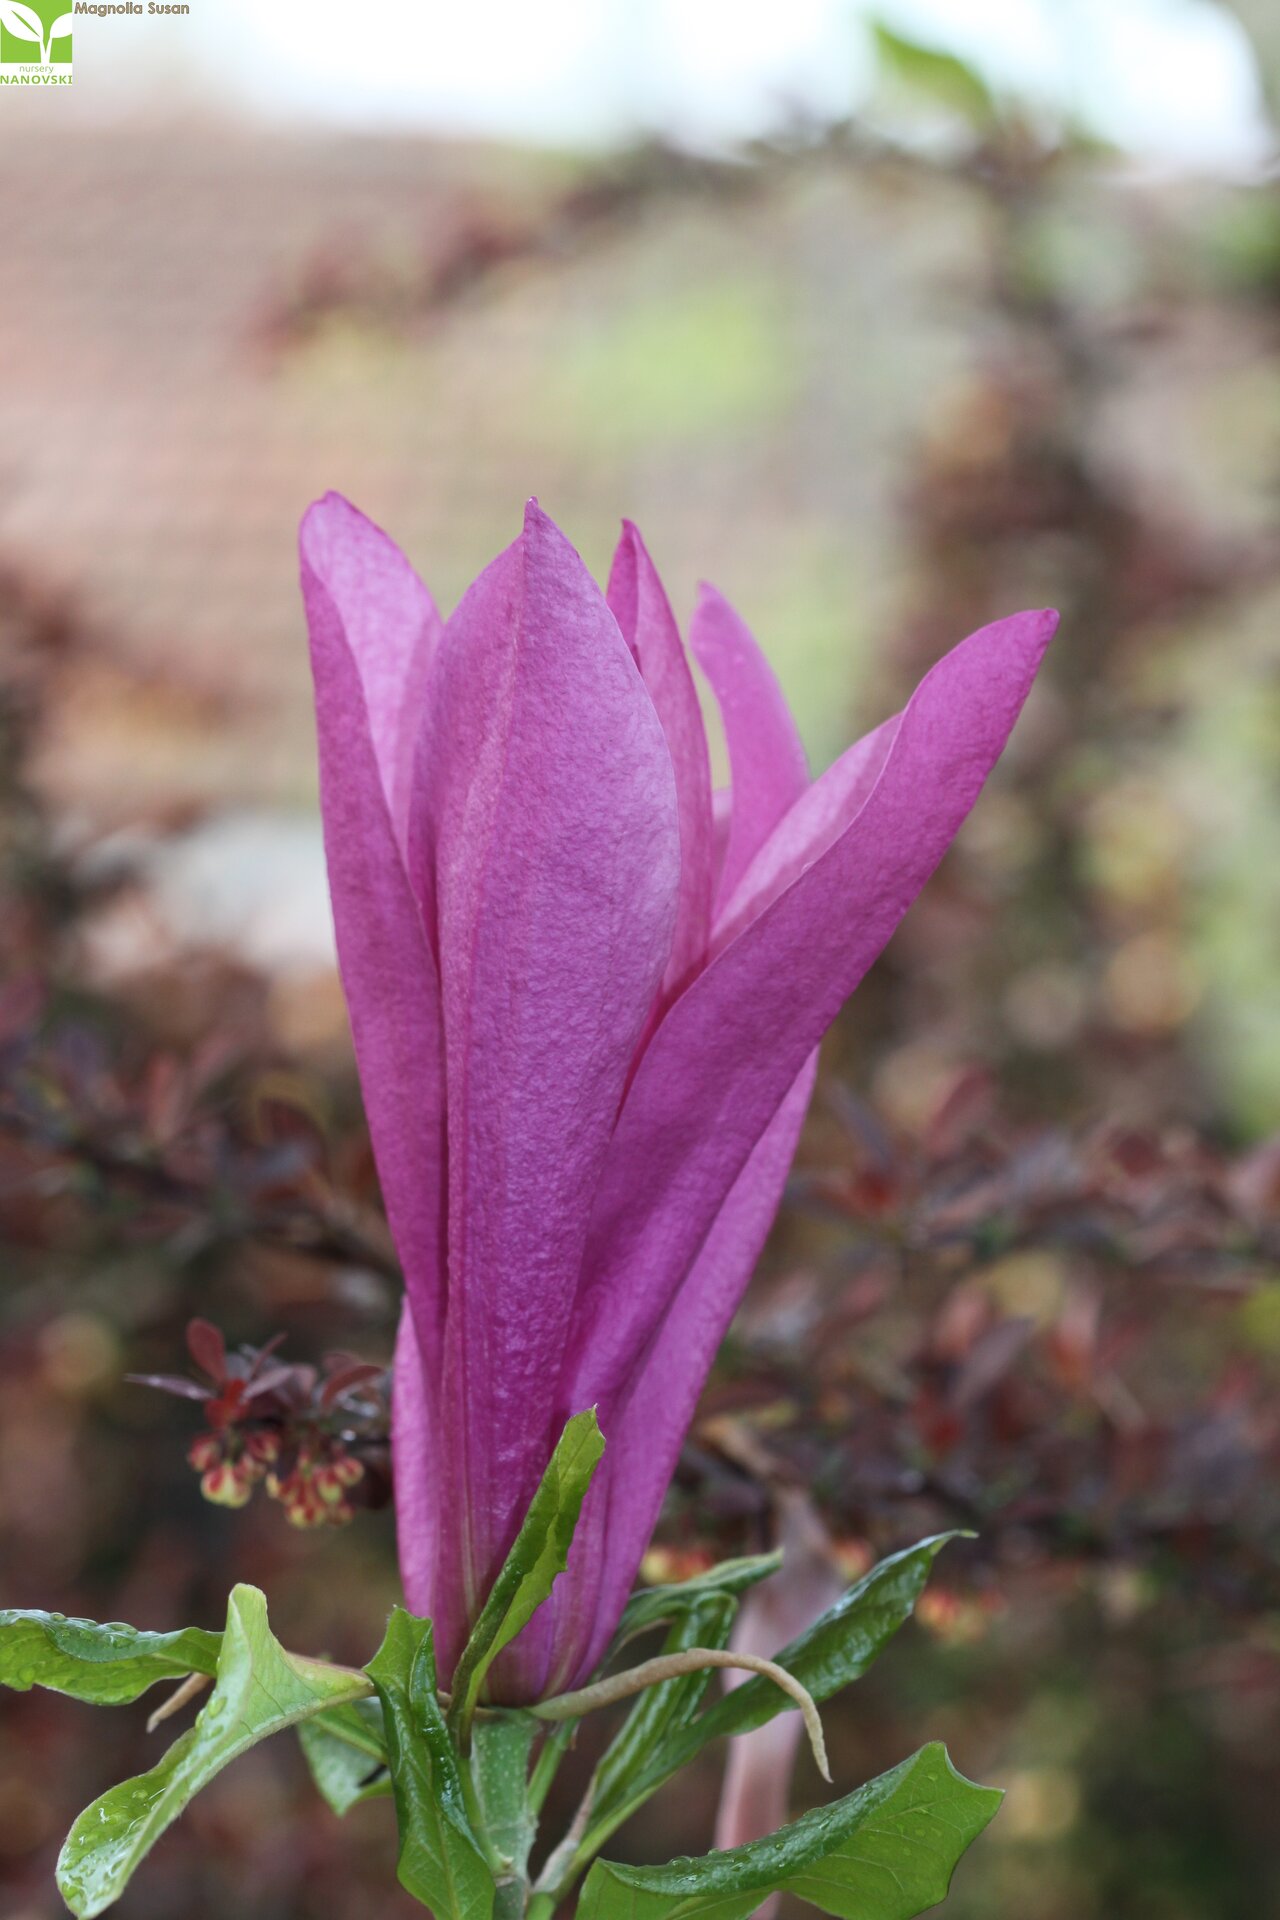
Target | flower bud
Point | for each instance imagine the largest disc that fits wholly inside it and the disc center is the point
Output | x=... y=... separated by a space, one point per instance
x=205 y=1452
x=225 y=1486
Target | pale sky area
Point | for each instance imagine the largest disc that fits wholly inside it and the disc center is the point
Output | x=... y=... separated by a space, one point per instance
x=1172 y=80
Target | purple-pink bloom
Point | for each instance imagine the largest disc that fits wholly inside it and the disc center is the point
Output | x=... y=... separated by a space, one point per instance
x=586 y=994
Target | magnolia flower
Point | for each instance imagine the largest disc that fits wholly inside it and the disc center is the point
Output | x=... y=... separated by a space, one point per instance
x=585 y=993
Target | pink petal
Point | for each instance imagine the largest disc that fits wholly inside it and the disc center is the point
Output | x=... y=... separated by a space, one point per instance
x=643 y=612
x=392 y=628
x=819 y=816
x=545 y=794
x=721 y=815
x=766 y=757
x=720 y=1063
x=388 y=973
x=414 y=1453
x=645 y=1429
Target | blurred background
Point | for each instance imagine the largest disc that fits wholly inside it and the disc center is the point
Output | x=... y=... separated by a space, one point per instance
x=888 y=321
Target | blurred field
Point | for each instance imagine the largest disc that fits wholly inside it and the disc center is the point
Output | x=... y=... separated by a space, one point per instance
x=1027 y=1279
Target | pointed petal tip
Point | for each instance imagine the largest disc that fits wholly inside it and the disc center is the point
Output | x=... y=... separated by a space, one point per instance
x=544 y=543
x=324 y=520
x=1016 y=643
x=330 y=505
x=539 y=528
x=1045 y=619
x=711 y=604
x=1036 y=626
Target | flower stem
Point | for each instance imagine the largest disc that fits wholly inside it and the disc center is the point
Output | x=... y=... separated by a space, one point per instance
x=193 y=1684
x=547 y=1765
x=559 y=1869
x=668 y=1666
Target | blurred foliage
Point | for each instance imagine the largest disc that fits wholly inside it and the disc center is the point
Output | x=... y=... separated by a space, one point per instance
x=933 y=74
x=1027 y=1279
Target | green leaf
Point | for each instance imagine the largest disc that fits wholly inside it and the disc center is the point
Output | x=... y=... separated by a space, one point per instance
x=359 y=1725
x=656 y=1606
x=660 y=1712
x=701 y=1612
x=837 y=1649
x=106 y=1665
x=259 y=1689
x=346 y=1750
x=441 y=1862
x=501 y=1745
x=530 y=1569
x=939 y=76
x=886 y=1852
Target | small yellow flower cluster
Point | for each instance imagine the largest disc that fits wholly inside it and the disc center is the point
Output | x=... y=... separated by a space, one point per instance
x=314 y=1494
x=231 y=1463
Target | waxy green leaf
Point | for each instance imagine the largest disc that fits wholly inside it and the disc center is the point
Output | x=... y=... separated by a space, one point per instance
x=659 y=1606
x=658 y=1714
x=501 y=1744
x=661 y=1711
x=841 y=1645
x=346 y=1750
x=699 y=1613
x=886 y=1852
x=540 y=1552
x=441 y=1862
x=259 y=1689
x=106 y=1665
x=837 y=1649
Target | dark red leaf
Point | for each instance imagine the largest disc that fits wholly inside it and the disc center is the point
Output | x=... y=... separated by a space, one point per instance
x=359 y=1374
x=224 y=1409
x=207 y=1348
x=275 y=1377
x=256 y=1355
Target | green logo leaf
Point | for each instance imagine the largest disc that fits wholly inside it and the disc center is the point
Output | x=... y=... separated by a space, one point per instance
x=21 y=22
x=38 y=26
x=886 y=1852
x=259 y=1689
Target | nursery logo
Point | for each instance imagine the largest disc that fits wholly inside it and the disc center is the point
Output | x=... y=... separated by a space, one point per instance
x=35 y=43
